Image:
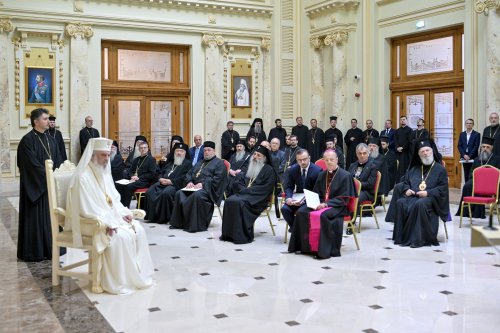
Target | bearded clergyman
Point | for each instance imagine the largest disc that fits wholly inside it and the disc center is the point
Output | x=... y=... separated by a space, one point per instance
x=194 y=204
x=127 y=264
x=252 y=195
x=424 y=200
x=239 y=164
x=160 y=196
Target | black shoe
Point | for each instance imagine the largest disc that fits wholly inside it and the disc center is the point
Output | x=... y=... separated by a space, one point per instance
x=172 y=227
x=348 y=231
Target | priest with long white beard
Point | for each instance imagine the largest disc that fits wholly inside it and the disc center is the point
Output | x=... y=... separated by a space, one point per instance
x=252 y=195
x=425 y=199
x=127 y=264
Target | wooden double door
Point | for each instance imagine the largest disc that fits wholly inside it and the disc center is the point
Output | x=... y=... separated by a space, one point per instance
x=156 y=118
x=442 y=111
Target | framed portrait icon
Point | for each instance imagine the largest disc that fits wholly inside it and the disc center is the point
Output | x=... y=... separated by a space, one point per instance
x=39 y=86
x=242 y=91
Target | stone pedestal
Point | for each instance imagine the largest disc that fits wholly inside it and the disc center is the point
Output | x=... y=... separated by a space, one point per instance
x=214 y=105
x=318 y=84
x=79 y=83
x=5 y=27
x=337 y=40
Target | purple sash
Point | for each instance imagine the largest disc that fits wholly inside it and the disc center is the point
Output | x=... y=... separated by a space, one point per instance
x=315 y=228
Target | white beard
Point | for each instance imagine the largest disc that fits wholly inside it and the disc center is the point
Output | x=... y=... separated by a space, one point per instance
x=99 y=170
x=484 y=156
x=239 y=155
x=178 y=160
x=257 y=129
x=427 y=160
x=112 y=155
x=374 y=154
x=254 y=168
x=137 y=153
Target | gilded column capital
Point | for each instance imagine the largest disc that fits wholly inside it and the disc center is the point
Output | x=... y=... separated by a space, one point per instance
x=265 y=43
x=484 y=6
x=337 y=37
x=316 y=43
x=78 y=30
x=213 y=40
x=6 y=25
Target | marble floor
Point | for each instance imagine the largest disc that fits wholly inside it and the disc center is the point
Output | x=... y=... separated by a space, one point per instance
x=205 y=285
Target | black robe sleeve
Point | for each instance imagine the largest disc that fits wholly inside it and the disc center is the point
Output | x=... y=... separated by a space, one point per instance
x=260 y=190
x=178 y=176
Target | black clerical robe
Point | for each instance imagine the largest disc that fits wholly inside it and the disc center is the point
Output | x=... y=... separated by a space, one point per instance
x=417 y=219
x=143 y=167
x=86 y=134
x=402 y=138
x=493 y=132
x=340 y=187
x=290 y=159
x=280 y=134
x=57 y=135
x=245 y=206
x=315 y=143
x=477 y=211
x=34 y=241
x=367 y=177
x=338 y=133
x=242 y=165
x=381 y=165
x=357 y=134
x=370 y=133
x=301 y=133
x=159 y=201
x=258 y=137
x=228 y=143
x=392 y=167
x=193 y=210
x=117 y=167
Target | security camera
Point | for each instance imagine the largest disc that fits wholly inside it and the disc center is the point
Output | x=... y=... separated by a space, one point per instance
x=357 y=77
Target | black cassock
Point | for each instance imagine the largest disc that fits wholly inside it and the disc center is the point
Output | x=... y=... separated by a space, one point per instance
x=193 y=210
x=57 y=135
x=402 y=138
x=280 y=134
x=34 y=237
x=367 y=178
x=392 y=167
x=478 y=211
x=228 y=142
x=85 y=135
x=332 y=220
x=160 y=198
x=301 y=133
x=417 y=219
x=368 y=134
x=143 y=167
x=351 y=145
x=245 y=206
x=338 y=133
x=493 y=132
x=259 y=137
x=381 y=165
x=315 y=143
x=242 y=165
x=117 y=167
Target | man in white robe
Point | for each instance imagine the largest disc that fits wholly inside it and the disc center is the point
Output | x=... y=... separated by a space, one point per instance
x=127 y=264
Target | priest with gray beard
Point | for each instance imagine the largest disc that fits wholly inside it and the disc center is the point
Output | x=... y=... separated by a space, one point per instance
x=239 y=164
x=117 y=164
x=253 y=192
x=380 y=163
x=424 y=200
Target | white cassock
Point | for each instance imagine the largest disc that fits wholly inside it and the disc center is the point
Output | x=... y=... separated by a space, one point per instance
x=127 y=264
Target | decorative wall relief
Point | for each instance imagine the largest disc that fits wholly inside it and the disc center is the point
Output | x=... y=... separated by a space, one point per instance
x=136 y=65
x=431 y=56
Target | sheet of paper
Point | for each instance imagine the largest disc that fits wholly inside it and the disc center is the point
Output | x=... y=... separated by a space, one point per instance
x=312 y=199
x=298 y=197
x=124 y=181
x=464 y=161
x=191 y=189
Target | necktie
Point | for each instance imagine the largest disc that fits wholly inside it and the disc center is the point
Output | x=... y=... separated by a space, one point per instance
x=197 y=152
x=387 y=132
x=303 y=178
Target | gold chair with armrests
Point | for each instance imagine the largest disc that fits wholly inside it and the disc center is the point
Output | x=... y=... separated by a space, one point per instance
x=57 y=186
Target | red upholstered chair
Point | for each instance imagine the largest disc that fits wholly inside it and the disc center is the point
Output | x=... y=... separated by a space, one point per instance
x=139 y=194
x=352 y=206
x=321 y=163
x=369 y=205
x=485 y=181
x=228 y=167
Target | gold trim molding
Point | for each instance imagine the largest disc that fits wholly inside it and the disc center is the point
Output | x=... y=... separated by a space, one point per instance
x=338 y=38
x=484 y=6
x=79 y=30
x=212 y=40
x=6 y=25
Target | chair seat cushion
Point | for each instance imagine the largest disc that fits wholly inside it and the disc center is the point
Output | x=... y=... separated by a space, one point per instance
x=367 y=202
x=141 y=190
x=481 y=200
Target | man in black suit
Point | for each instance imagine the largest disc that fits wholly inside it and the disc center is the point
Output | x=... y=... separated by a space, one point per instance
x=196 y=152
x=278 y=132
x=389 y=132
x=300 y=176
x=300 y=131
x=468 y=146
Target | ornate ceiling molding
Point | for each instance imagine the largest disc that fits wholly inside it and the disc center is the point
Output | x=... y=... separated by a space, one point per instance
x=79 y=30
x=484 y=6
x=338 y=37
x=330 y=5
x=6 y=25
x=324 y=31
x=316 y=43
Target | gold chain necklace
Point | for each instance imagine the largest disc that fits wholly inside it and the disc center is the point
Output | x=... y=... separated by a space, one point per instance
x=493 y=132
x=109 y=201
x=201 y=168
x=172 y=170
x=423 y=185
x=45 y=148
x=251 y=182
x=486 y=163
x=139 y=167
x=91 y=133
x=314 y=135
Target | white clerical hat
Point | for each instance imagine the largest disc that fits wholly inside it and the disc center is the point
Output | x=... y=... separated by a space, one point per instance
x=101 y=144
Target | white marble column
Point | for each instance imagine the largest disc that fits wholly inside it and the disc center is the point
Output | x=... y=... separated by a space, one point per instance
x=5 y=27
x=215 y=121
x=318 y=83
x=491 y=9
x=337 y=40
x=79 y=82
x=268 y=114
